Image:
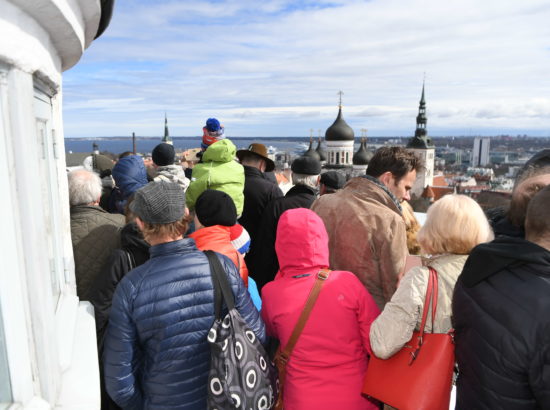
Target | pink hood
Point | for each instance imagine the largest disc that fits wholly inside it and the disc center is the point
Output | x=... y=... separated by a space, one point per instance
x=302 y=242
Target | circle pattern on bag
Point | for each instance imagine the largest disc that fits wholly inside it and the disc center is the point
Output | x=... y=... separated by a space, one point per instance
x=212 y=335
x=216 y=386
x=240 y=372
x=236 y=400
x=250 y=335
x=251 y=378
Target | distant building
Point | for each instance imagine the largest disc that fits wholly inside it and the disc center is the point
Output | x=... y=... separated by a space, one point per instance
x=167 y=139
x=480 y=153
x=424 y=148
x=339 y=139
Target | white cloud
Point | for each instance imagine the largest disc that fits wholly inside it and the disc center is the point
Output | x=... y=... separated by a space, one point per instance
x=256 y=63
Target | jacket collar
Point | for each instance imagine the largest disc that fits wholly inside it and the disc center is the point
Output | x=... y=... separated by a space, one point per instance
x=253 y=172
x=385 y=189
x=169 y=248
x=80 y=209
x=490 y=258
x=215 y=233
x=301 y=189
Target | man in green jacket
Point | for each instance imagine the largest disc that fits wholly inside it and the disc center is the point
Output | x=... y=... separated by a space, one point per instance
x=218 y=170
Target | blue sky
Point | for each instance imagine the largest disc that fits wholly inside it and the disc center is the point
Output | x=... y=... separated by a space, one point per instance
x=273 y=68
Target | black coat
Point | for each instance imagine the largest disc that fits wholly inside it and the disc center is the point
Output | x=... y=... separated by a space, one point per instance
x=263 y=265
x=501 y=317
x=258 y=192
x=134 y=251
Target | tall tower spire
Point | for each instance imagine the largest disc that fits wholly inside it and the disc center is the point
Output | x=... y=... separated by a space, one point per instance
x=166 y=137
x=421 y=119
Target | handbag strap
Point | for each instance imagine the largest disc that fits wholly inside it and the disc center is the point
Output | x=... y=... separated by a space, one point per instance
x=322 y=276
x=222 y=290
x=431 y=298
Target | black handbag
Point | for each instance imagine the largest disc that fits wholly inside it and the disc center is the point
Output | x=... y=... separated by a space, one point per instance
x=241 y=374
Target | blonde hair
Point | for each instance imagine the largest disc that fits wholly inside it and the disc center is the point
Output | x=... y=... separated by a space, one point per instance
x=412 y=228
x=454 y=224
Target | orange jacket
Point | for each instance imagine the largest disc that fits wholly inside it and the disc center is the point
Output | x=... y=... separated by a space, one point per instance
x=217 y=238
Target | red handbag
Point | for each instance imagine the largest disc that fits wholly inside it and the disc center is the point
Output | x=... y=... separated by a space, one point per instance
x=419 y=376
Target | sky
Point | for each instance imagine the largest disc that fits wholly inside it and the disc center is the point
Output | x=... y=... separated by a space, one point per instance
x=274 y=68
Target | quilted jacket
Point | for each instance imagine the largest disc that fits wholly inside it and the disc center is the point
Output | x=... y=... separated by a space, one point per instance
x=367 y=235
x=218 y=170
x=326 y=368
x=402 y=315
x=156 y=352
x=95 y=234
x=502 y=327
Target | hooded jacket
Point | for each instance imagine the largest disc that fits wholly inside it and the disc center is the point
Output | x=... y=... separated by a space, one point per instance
x=218 y=170
x=367 y=235
x=172 y=173
x=217 y=238
x=130 y=175
x=402 y=315
x=156 y=352
x=326 y=368
x=502 y=327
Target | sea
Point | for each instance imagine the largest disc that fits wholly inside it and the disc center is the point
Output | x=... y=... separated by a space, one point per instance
x=144 y=145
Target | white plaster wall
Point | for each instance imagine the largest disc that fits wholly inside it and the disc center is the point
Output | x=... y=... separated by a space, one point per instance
x=342 y=147
x=426 y=177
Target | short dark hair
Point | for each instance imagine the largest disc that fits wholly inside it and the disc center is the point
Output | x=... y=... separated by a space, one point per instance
x=537 y=220
x=397 y=160
x=523 y=192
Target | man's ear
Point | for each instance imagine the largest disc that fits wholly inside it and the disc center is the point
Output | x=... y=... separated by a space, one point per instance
x=386 y=178
x=139 y=223
x=186 y=211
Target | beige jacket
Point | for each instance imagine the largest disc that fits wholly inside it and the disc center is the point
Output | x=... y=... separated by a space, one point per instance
x=403 y=314
x=366 y=235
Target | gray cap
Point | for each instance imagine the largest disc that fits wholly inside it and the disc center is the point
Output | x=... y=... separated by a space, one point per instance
x=159 y=203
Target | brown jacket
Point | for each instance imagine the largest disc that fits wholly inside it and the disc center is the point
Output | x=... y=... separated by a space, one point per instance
x=366 y=235
x=95 y=234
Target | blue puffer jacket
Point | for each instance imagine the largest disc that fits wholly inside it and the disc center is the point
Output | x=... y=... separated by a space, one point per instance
x=130 y=175
x=156 y=352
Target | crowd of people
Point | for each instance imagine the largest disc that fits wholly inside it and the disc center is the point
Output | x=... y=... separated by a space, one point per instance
x=138 y=246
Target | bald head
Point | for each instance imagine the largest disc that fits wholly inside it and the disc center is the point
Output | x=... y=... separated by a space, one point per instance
x=84 y=187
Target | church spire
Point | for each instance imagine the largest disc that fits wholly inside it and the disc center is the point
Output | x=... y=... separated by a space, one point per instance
x=421 y=139
x=166 y=137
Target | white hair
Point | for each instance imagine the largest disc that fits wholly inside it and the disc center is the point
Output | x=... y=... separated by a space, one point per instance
x=307 y=180
x=84 y=187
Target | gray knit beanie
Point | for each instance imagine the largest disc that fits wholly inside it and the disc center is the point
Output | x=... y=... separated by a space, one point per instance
x=159 y=203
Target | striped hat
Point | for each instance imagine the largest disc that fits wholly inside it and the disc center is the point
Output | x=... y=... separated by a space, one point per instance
x=240 y=238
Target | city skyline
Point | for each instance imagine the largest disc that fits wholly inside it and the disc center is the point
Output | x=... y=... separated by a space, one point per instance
x=274 y=69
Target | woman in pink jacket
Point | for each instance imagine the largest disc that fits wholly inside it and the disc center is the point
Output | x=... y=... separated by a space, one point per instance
x=328 y=363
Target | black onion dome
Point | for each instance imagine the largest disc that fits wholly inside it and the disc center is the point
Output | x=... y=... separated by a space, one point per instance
x=321 y=151
x=311 y=152
x=339 y=130
x=362 y=156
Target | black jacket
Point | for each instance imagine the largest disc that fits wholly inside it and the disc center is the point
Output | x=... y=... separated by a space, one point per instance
x=134 y=251
x=258 y=192
x=501 y=317
x=264 y=264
